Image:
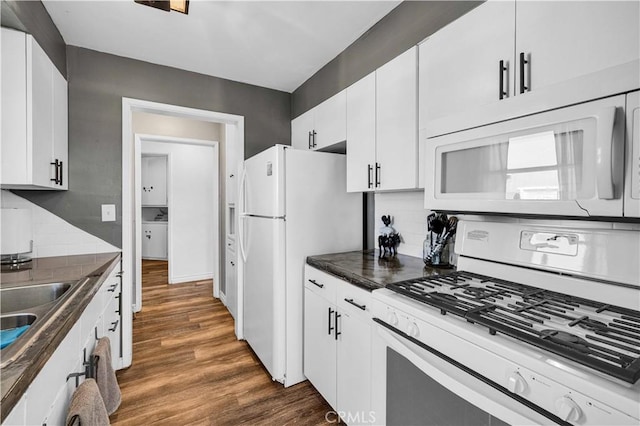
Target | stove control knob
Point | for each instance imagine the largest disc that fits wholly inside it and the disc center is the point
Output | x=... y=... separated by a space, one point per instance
x=568 y=410
x=412 y=330
x=392 y=318
x=516 y=383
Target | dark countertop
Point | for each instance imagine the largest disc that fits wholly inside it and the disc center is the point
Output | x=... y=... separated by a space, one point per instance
x=365 y=269
x=91 y=270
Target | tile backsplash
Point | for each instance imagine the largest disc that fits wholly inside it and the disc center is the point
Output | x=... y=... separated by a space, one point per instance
x=409 y=218
x=52 y=236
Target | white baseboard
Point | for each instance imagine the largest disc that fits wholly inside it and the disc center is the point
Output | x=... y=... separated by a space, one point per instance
x=189 y=278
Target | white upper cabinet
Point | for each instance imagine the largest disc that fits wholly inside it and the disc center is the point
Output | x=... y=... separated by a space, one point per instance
x=506 y=59
x=154 y=180
x=460 y=64
x=382 y=127
x=34 y=116
x=361 y=134
x=301 y=130
x=322 y=126
x=397 y=123
x=565 y=39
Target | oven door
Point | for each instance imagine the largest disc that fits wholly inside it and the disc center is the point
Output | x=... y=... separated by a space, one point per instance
x=416 y=385
x=565 y=162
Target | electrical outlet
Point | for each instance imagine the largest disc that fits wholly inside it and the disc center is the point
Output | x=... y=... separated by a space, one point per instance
x=108 y=212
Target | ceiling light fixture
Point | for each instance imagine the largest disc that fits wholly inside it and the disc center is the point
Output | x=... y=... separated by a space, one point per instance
x=181 y=6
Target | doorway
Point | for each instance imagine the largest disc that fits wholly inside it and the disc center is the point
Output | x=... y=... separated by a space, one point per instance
x=231 y=158
x=191 y=201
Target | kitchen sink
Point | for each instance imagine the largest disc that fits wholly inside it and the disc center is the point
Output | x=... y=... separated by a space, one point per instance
x=30 y=305
x=7 y=322
x=21 y=298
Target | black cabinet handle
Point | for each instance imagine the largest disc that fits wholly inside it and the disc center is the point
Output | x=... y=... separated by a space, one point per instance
x=120 y=274
x=56 y=168
x=314 y=139
x=369 y=177
x=316 y=283
x=523 y=62
x=331 y=311
x=61 y=174
x=378 y=173
x=115 y=325
x=112 y=288
x=363 y=307
x=503 y=71
x=337 y=333
x=310 y=136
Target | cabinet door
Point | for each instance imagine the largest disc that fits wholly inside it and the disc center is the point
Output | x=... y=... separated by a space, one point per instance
x=41 y=98
x=113 y=328
x=354 y=369
x=331 y=121
x=154 y=240
x=301 y=128
x=460 y=64
x=320 y=345
x=154 y=180
x=566 y=39
x=632 y=187
x=397 y=123
x=361 y=134
x=60 y=126
x=231 y=274
x=15 y=167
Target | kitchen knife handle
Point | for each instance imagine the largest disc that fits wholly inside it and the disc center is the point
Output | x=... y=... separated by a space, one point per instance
x=331 y=311
x=523 y=63
x=337 y=333
x=369 y=175
x=503 y=72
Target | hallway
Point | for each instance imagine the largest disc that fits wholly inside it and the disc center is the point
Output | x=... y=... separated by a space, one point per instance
x=188 y=367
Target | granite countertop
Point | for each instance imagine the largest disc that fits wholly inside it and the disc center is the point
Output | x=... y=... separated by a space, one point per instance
x=365 y=269
x=91 y=271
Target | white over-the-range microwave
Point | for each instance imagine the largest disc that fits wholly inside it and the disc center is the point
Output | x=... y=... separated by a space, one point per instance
x=577 y=161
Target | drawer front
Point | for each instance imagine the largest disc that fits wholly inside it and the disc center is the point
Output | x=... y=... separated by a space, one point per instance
x=353 y=300
x=321 y=283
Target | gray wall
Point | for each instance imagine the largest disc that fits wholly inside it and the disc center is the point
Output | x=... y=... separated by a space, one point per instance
x=97 y=84
x=405 y=26
x=32 y=17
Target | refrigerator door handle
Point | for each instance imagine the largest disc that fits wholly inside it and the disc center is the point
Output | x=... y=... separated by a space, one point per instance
x=243 y=253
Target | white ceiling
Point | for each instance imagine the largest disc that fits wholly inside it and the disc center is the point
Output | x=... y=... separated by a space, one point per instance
x=275 y=44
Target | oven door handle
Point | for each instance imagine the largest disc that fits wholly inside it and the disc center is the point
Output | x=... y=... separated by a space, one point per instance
x=419 y=353
x=605 y=153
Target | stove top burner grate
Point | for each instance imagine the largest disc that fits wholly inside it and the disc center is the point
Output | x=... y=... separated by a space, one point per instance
x=603 y=337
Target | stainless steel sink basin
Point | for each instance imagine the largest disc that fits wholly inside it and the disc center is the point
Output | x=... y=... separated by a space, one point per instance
x=34 y=305
x=21 y=298
x=8 y=322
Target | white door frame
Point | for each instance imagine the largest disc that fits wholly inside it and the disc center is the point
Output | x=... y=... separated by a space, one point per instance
x=139 y=139
x=234 y=124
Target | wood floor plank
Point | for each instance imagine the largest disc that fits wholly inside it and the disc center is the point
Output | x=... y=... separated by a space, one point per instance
x=189 y=368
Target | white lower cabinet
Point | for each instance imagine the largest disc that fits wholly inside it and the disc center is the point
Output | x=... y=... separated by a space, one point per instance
x=337 y=344
x=155 y=240
x=47 y=398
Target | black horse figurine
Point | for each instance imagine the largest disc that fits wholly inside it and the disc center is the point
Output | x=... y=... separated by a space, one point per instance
x=389 y=238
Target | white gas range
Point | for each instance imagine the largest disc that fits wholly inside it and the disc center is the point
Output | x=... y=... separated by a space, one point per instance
x=539 y=325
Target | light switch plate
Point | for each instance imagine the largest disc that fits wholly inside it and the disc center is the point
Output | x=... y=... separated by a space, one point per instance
x=108 y=212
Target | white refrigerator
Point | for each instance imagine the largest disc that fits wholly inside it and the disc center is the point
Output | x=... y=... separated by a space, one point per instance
x=293 y=204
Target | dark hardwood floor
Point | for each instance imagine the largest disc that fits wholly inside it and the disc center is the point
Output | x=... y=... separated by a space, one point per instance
x=188 y=367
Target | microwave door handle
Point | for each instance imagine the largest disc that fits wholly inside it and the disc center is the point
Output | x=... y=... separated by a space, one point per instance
x=604 y=154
